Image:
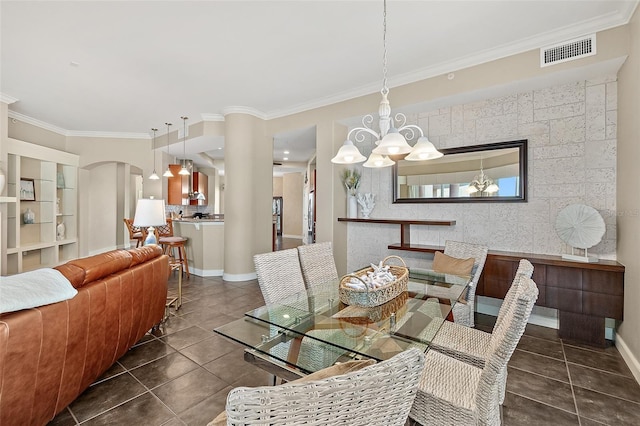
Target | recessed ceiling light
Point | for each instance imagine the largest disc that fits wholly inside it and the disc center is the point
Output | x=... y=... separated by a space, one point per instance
x=220 y=148
x=286 y=152
x=285 y=158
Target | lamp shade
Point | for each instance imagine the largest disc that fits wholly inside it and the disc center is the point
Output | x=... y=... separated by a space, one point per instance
x=393 y=143
x=378 y=161
x=348 y=154
x=150 y=213
x=423 y=150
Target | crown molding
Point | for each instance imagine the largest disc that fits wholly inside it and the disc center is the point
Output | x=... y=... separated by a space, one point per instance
x=590 y=26
x=38 y=123
x=211 y=117
x=7 y=99
x=245 y=110
x=111 y=135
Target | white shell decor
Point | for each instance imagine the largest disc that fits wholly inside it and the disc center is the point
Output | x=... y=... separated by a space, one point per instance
x=377 y=278
x=367 y=202
x=580 y=226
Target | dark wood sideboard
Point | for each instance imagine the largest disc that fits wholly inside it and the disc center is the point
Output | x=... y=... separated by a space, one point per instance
x=583 y=293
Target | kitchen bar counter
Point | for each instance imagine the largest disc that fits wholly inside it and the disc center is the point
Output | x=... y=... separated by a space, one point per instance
x=205 y=245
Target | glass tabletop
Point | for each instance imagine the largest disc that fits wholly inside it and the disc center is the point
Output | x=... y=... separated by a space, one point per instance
x=313 y=329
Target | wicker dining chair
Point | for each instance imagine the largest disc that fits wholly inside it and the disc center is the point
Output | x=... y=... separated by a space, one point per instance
x=279 y=274
x=471 y=345
x=317 y=263
x=380 y=394
x=462 y=394
x=463 y=312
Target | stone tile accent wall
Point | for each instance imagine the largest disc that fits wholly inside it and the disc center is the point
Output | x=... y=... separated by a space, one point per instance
x=571 y=131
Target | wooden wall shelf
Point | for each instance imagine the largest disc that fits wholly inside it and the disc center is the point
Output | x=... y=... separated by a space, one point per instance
x=405 y=225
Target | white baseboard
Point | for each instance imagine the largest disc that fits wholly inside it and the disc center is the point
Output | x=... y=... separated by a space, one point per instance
x=628 y=357
x=297 y=237
x=206 y=272
x=239 y=277
x=545 y=317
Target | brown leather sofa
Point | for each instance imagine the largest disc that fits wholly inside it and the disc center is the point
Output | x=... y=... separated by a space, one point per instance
x=51 y=354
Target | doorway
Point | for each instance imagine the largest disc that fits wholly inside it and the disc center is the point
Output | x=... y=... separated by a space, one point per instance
x=277 y=214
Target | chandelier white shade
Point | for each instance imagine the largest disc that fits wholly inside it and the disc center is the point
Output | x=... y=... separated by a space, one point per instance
x=393 y=143
x=154 y=175
x=423 y=150
x=377 y=160
x=394 y=131
x=348 y=154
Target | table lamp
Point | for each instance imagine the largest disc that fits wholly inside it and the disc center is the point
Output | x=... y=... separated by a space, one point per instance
x=150 y=213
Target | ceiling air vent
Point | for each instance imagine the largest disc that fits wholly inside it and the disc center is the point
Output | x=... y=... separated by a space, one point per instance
x=568 y=51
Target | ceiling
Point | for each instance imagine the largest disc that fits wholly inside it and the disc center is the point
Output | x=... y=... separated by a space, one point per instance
x=118 y=68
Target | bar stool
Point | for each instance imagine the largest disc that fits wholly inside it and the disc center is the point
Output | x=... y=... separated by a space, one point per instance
x=169 y=243
x=135 y=233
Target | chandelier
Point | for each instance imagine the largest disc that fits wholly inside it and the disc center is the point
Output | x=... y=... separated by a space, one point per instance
x=482 y=183
x=393 y=134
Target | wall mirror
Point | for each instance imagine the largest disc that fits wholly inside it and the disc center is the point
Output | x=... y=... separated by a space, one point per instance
x=480 y=173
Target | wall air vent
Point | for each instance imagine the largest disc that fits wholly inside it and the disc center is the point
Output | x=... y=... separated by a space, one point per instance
x=568 y=51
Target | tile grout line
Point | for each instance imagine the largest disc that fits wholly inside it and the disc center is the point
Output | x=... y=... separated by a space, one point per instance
x=542 y=403
x=566 y=364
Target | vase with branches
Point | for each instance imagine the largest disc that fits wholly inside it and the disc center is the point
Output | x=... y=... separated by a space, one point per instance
x=351 y=180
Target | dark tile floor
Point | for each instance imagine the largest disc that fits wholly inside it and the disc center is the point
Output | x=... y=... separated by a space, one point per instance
x=183 y=374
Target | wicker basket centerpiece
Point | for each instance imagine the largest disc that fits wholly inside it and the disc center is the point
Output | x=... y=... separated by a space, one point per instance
x=359 y=290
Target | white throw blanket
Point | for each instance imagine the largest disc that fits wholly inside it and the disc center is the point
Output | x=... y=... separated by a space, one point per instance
x=33 y=289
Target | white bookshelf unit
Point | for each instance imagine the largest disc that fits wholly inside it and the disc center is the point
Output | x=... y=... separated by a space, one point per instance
x=55 y=177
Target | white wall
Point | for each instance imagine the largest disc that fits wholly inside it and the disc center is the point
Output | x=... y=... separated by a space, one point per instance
x=103 y=202
x=571 y=131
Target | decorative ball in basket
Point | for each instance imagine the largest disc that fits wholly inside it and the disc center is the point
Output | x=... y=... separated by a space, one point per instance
x=374 y=286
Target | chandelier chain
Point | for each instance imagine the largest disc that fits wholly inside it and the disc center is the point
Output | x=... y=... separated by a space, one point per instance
x=385 y=89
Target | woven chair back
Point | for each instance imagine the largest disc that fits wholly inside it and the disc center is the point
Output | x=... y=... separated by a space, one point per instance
x=317 y=263
x=525 y=268
x=381 y=394
x=463 y=313
x=279 y=274
x=503 y=342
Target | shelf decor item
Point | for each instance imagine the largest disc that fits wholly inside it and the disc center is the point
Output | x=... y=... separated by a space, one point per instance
x=60 y=180
x=581 y=227
x=60 y=231
x=29 y=217
x=27 y=189
x=367 y=203
x=351 y=181
x=363 y=295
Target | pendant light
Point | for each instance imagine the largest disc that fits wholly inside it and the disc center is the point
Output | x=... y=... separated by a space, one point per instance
x=154 y=175
x=393 y=129
x=168 y=173
x=184 y=171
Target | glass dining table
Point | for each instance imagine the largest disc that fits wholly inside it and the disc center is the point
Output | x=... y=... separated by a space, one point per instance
x=313 y=329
